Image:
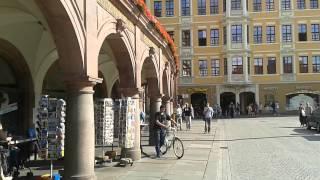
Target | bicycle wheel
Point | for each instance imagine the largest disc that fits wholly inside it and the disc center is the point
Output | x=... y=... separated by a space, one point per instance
x=178 y=147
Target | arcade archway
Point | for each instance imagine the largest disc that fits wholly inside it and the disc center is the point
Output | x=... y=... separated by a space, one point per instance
x=225 y=99
x=198 y=101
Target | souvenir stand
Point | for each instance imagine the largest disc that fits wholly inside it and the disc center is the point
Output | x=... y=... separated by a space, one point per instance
x=126 y=122
x=103 y=116
x=51 y=128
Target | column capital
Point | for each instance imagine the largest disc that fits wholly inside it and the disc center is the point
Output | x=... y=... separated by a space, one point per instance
x=81 y=85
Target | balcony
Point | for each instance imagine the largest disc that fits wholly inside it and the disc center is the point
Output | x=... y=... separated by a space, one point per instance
x=236 y=13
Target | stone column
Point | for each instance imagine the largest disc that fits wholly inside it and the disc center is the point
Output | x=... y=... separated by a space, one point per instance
x=171 y=106
x=218 y=94
x=245 y=67
x=244 y=7
x=229 y=62
x=155 y=103
x=166 y=102
x=135 y=152
x=244 y=35
x=228 y=8
x=237 y=97
x=229 y=35
x=257 y=94
x=79 y=141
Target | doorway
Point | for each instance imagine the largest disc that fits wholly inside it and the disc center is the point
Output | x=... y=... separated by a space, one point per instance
x=198 y=101
x=246 y=98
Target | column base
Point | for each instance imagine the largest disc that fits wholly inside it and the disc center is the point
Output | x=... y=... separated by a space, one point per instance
x=134 y=154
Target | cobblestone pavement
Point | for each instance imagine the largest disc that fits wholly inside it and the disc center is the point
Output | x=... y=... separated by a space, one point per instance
x=269 y=148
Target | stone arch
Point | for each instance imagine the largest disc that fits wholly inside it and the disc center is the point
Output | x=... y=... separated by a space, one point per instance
x=25 y=86
x=68 y=33
x=148 y=55
x=119 y=44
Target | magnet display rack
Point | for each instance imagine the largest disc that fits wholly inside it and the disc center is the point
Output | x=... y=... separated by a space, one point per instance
x=51 y=128
x=104 y=123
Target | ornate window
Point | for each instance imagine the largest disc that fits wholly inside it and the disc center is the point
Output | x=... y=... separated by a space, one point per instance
x=258 y=65
x=303 y=62
x=215 y=67
x=237 y=65
x=287 y=64
x=157 y=8
x=203 y=68
x=169 y=8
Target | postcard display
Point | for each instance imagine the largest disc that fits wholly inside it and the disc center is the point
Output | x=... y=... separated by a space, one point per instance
x=125 y=110
x=103 y=117
x=51 y=127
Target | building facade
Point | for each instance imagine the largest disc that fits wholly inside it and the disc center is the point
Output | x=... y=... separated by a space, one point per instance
x=78 y=51
x=245 y=51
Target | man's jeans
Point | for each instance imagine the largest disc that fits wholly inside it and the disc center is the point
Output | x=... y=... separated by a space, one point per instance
x=207 y=124
x=159 y=136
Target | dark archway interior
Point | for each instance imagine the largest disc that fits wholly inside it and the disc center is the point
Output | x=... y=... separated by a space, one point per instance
x=122 y=59
x=198 y=101
x=100 y=90
x=53 y=84
x=246 y=98
x=225 y=100
x=16 y=86
x=115 y=93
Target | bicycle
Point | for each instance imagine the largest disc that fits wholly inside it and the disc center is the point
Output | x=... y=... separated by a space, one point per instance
x=171 y=140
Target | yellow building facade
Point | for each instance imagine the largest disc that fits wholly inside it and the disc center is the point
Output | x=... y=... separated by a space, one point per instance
x=244 y=52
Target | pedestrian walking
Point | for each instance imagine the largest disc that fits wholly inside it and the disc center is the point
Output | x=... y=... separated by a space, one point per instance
x=187 y=114
x=308 y=110
x=231 y=109
x=160 y=128
x=208 y=114
x=302 y=115
x=179 y=117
